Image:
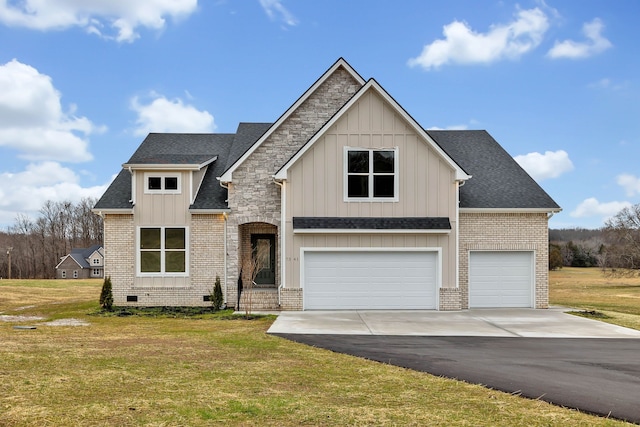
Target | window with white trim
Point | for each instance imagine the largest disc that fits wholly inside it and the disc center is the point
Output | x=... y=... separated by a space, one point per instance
x=161 y=183
x=162 y=251
x=371 y=174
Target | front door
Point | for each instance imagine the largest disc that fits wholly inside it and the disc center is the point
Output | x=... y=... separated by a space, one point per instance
x=267 y=275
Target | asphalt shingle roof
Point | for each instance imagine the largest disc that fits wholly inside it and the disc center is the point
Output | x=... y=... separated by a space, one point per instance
x=80 y=255
x=184 y=148
x=498 y=181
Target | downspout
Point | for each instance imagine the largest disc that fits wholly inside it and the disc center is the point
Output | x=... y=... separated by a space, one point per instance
x=458 y=184
x=283 y=200
x=224 y=214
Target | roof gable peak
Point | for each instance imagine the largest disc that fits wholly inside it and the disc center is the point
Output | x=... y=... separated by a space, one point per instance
x=227 y=176
x=373 y=85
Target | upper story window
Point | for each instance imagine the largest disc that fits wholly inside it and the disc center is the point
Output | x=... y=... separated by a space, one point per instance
x=161 y=183
x=372 y=174
x=162 y=250
x=96 y=261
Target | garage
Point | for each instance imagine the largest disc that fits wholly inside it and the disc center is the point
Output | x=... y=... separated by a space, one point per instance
x=373 y=280
x=501 y=279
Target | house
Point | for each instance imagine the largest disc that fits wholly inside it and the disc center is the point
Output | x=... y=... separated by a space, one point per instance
x=360 y=207
x=82 y=263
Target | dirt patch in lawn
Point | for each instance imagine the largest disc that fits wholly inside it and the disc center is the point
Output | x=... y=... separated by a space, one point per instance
x=9 y=318
x=67 y=322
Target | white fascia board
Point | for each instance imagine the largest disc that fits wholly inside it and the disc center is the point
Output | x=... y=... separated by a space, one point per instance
x=367 y=231
x=461 y=175
x=120 y=211
x=510 y=210
x=170 y=166
x=227 y=176
x=63 y=260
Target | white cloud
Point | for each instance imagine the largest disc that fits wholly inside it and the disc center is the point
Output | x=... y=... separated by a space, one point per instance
x=462 y=45
x=32 y=120
x=123 y=17
x=608 y=84
x=41 y=181
x=164 y=115
x=276 y=11
x=593 y=208
x=551 y=164
x=630 y=183
x=595 y=43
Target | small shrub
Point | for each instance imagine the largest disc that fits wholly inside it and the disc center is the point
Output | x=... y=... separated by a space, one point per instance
x=106 y=296
x=216 y=297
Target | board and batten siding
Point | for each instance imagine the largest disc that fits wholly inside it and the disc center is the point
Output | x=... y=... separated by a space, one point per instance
x=315 y=187
x=161 y=210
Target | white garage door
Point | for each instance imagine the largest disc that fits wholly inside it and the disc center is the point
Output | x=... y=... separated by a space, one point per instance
x=500 y=279
x=348 y=280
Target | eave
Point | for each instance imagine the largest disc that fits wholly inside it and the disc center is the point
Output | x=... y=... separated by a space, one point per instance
x=169 y=166
x=510 y=210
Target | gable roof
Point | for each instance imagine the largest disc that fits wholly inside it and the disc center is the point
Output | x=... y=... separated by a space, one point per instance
x=498 y=180
x=373 y=85
x=211 y=195
x=80 y=255
x=173 y=151
x=227 y=176
x=184 y=152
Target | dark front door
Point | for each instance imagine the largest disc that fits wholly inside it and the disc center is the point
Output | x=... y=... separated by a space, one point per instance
x=266 y=276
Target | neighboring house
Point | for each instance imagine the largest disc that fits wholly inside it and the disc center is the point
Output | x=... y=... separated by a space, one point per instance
x=361 y=207
x=82 y=263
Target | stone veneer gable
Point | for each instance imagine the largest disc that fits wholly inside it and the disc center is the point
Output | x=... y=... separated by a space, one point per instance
x=253 y=195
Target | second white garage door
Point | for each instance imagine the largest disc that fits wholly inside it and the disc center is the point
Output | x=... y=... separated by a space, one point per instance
x=500 y=279
x=347 y=280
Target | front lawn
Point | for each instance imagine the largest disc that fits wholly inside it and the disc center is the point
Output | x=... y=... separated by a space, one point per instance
x=203 y=370
x=588 y=289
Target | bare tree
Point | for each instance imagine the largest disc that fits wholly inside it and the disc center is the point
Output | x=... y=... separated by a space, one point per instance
x=39 y=244
x=622 y=233
x=252 y=265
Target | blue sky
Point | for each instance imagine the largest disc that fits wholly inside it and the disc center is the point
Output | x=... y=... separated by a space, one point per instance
x=557 y=83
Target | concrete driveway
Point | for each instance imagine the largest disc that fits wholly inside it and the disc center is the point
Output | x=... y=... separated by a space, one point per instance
x=541 y=354
x=521 y=322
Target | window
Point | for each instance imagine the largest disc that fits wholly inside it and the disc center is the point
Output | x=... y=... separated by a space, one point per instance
x=159 y=183
x=162 y=250
x=96 y=261
x=64 y=274
x=371 y=174
x=96 y=272
x=75 y=274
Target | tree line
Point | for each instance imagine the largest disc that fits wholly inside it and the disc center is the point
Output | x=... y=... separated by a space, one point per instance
x=31 y=248
x=615 y=247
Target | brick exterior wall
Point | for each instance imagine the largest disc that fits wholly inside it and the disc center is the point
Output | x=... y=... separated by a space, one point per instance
x=253 y=196
x=206 y=255
x=119 y=255
x=291 y=299
x=508 y=232
x=206 y=260
x=450 y=299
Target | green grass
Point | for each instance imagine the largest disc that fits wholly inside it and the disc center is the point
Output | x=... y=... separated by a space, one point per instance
x=205 y=370
x=588 y=289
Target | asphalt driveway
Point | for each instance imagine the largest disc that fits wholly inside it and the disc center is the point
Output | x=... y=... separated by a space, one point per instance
x=540 y=354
